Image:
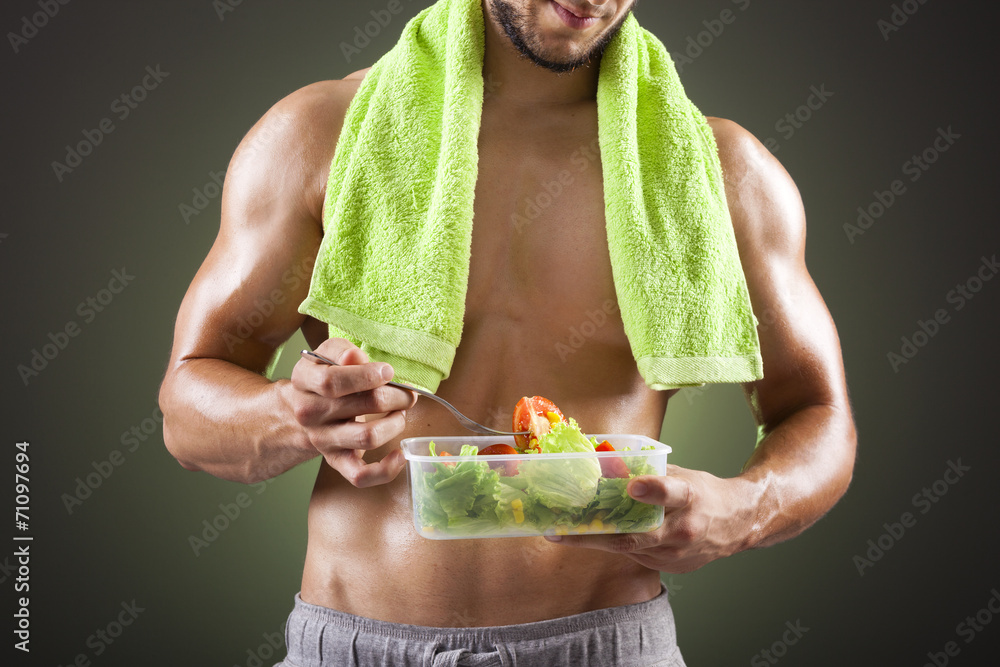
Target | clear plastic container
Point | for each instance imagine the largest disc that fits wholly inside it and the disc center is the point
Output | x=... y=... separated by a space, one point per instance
x=519 y=495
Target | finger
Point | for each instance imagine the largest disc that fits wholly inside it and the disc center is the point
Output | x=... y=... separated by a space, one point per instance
x=354 y=357
x=339 y=381
x=361 y=474
x=352 y=435
x=375 y=401
x=318 y=411
x=670 y=491
x=621 y=543
x=342 y=351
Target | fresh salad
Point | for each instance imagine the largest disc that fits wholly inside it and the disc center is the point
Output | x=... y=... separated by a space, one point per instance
x=533 y=494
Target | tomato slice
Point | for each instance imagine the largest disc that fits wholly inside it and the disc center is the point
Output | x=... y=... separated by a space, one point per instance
x=611 y=466
x=535 y=415
x=499 y=449
x=506 y=468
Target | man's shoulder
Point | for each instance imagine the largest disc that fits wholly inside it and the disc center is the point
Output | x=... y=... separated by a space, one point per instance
x=764 y=201
x=297 y=138
x=740 y=152
x=326 y=94
x=318 y=105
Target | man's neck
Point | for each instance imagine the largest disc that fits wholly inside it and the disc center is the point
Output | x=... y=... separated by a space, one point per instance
x=513 y=78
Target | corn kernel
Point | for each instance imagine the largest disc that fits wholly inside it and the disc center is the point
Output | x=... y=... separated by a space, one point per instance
x=562 y=530
x=427 y=529
x=552 y=417
x=597 y=525
x=518 y=516
x=582 y=528
x=516 y=504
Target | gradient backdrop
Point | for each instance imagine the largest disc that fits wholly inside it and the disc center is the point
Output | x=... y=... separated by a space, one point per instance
x=887 y=93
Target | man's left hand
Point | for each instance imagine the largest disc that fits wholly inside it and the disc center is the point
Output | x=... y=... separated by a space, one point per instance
x=705 y=518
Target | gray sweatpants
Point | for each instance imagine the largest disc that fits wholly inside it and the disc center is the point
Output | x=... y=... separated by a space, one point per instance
x=636 y=635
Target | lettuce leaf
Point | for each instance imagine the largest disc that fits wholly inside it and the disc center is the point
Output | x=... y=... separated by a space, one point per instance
x=566 y=484
x=619 y=508
x=458 y=491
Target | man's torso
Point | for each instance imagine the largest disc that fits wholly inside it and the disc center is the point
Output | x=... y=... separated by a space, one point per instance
x=541 y=319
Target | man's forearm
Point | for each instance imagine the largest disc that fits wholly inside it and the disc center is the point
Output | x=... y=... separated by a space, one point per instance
x=230 y=422
x=800 y=469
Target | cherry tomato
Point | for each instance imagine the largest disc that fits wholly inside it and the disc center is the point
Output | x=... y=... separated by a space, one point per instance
x=506 y=468
x=532 y=415
x=499 y=449
x=611 y=467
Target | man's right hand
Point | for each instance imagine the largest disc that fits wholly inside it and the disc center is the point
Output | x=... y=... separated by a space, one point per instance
x=327 y=400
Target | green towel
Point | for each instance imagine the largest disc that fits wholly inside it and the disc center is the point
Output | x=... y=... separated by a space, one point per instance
x=393 y=267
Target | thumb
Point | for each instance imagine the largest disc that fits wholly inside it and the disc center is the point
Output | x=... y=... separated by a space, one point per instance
x=668 y=490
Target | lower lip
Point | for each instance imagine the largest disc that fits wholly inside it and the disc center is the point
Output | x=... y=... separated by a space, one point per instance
x=571 y=19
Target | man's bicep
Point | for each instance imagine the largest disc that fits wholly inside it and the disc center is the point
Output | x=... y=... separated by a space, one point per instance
x=798 y=339
x=243 y=302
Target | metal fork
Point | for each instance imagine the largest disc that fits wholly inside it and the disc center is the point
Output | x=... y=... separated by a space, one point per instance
x=475 y=427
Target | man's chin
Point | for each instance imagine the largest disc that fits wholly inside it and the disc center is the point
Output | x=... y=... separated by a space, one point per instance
x=560 y=59
x=561 y=52
x=558 y=66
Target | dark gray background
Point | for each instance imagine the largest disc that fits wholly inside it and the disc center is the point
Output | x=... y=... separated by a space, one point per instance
x=60 y=241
